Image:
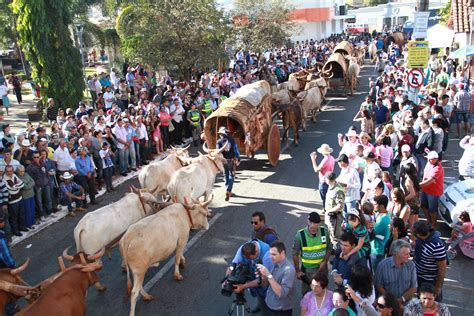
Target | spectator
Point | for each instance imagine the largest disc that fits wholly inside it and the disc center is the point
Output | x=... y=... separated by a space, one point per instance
x=157 y=138
x=261 y=230
x=326 y=165
x=16 y=211
x=462 y=109
x=334 y=206
x=466 y=163
x=423 y=145
x=165 y=120
x=194 y=119
x=398 y=206
x=342 y=268
x=385 y=154
x=311 y=251
x=52 y=111
x=4 y=205
x=8 y=161
x=341 y=301
x=51 y=170
x=397 y=274
x=120 y=134
x=43 y=195
x=430 y=257
x=62 y=157
x=86 y=174
x=386 y=305
x=143 y=141
x=69 y=192
x=361 y=283
x=357 y=226
x=366 y=122
x=432 y=188
x=381 y=231
x=107 y=165
x=406 y=159
x=280 y=280
x=28 y=196
x=24 y=154
x=349 y=179
x=427 y=304
x=319 y=300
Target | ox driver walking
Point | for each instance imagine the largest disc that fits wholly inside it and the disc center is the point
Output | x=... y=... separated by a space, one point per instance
x=232 y=155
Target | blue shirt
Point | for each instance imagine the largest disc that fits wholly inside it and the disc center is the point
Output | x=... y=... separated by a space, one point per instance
x=84 y=166
x=6 y=259
x=69 y=187
x=380 y=114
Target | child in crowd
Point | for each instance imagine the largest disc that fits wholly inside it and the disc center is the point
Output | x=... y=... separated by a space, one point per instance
x=387 y=180
x=358 y=227
x=464 y=225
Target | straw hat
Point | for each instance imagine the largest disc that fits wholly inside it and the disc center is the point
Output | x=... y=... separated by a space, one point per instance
x=325 y=149
x=26 y=143
x=66 y=176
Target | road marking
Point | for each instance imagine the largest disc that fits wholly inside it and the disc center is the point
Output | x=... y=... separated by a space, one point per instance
x=170 y=263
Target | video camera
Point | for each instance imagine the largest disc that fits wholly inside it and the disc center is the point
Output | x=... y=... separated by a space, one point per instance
x=241 y=274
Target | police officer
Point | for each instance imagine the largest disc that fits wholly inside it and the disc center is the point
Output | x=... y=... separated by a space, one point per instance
x=194 y=119
x=334 y=207
x=232 y=155
x=311 y=251
x=206 y=108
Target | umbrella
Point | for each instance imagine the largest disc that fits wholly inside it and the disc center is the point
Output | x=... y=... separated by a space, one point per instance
x=464 y=51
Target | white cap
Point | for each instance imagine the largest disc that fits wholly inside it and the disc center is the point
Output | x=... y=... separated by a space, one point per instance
x=406 y=148
x=432 y=155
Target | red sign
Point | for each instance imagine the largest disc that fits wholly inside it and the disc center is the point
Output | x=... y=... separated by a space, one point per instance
x=415 y=78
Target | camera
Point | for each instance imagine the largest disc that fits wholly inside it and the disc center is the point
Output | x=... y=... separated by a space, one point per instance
x=241 y=274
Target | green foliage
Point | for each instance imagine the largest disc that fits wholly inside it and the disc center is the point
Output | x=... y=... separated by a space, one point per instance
x=445 y=13
x=260 y=24
x=372 y=3
x=173 y=33
x=43 y=28
x=7 y=29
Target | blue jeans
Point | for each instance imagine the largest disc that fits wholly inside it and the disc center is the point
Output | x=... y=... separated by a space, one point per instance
x=43 y=197
x=323 y=190
x=66 y=201
x=421 y=164
x=123 y=160
x=229 y=176
x=132 y=155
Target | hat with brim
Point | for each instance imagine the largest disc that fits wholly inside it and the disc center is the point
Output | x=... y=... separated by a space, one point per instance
x=66 y=176
x=325 y=149
x=354 y=212
x=432 y=155
x=351 y=132
x=26 y=143
x=223 y=131
x=364 y=134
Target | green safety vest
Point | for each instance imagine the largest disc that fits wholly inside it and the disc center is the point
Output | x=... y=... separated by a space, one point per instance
x=313 y=249
x=195 y=117
x=222 y=98
x=207 y=108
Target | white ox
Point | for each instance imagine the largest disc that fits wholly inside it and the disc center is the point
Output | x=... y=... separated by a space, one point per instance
x=103 y=227
x=197 y=179
x=157 y=175
x=154 y=239
x=372 y=51
x=292 y=85
x=310 y=103
x=353 y=73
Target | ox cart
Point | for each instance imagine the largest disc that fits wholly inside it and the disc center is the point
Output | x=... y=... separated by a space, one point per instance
x=344 y=48
x=248 y=117
x=337 y=66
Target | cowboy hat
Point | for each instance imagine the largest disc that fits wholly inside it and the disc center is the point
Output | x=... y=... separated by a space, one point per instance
x=325 y=149
x=364 y=134
x=66 y=176
x=26 y=143
x=223 y=130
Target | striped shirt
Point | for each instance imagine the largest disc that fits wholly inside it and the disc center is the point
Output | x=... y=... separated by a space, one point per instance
x=395 y=280
x=14 y=186
x=3 y=192
x=427 y=255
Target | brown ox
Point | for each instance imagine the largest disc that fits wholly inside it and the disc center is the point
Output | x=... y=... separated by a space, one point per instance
x=66 y=295
x=12 y=286
x=292 y=116
x=76 y=259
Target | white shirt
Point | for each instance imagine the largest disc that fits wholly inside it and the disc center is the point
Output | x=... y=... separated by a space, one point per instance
x=350 y=177
x=109 y=96
x=63 y=159
x=120 y=133
x=115 y=80
x=466 y=163
x=178 y=112
x=3 y=90
x=143 y=132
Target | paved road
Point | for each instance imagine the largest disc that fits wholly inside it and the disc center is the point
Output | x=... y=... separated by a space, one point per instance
x=285 y=193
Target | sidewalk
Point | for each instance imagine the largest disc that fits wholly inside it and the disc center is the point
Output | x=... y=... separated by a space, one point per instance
x=17 y=117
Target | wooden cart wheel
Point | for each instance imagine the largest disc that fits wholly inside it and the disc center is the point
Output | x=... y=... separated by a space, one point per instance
x=273 y=145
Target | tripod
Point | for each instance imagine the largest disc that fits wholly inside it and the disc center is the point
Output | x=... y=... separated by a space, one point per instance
x=239 y=305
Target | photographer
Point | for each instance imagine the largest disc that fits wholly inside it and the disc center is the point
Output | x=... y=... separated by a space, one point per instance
x=281 y=282
x=249 y=254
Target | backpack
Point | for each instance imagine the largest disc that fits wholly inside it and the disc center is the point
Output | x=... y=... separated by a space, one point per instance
x=16 y=82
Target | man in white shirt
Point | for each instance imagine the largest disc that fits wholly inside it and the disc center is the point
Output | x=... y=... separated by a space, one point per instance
x=62 y=157
x=143 y=141
x=114 y=78
x=176 y=112
x=350 y=180
x=109 y=97
x=122 y=146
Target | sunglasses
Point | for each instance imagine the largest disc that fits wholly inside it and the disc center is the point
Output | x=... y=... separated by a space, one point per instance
x=34 y=157
x=253 y=223
x=380 y=306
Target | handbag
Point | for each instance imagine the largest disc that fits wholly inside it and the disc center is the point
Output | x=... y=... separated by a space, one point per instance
x=171 y=127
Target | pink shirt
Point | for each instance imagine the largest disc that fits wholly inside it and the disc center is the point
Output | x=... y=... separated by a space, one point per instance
x=385 y=154
x=327 y=165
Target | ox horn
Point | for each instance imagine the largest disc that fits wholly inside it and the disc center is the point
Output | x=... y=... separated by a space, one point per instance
x=134 y=189
x=14 y=289
x=186 y=148
x=204 y=147
x=208 y=201
x=172 y=147
x=223 y=147
x=329 y=70
x=21 y=268
x=96 y=256
x=66 y=255
x=62 y=267
x=186 y=204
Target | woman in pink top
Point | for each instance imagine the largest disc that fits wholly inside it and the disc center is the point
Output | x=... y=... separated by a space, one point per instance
x=165 y=119
x=157 y=138
x=326 y=165
x=364 y=141
x=385 y=154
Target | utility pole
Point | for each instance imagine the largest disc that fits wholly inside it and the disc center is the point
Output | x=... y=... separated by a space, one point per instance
x=422 y=5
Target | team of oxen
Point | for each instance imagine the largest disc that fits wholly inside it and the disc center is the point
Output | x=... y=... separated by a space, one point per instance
x=148 y=224
x=302 y=96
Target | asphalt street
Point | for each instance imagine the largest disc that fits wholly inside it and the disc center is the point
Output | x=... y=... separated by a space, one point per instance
x=285 y=194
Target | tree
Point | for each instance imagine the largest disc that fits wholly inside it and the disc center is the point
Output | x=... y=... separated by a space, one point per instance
x=445 y=13
x=43 y=28
x=176 y=34
x=260 y=24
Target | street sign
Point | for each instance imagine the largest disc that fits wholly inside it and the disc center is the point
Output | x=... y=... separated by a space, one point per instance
x=420 y=25
x=418 y=54
x=415 y=78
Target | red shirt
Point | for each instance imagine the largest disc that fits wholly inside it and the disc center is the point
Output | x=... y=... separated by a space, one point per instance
x=327 y=165
x=437 y=173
